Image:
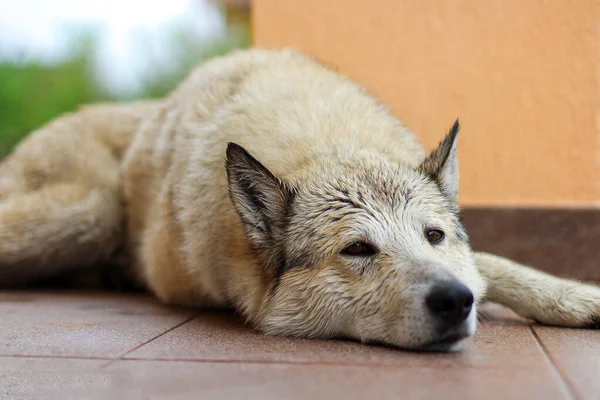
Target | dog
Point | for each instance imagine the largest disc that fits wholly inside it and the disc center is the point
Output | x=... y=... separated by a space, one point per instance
x=268 y=183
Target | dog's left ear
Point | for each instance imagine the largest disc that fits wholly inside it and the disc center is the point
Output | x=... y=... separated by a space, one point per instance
x=259 y=197
x=442 y=164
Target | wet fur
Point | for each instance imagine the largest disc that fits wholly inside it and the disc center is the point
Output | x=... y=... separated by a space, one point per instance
x=241 y=188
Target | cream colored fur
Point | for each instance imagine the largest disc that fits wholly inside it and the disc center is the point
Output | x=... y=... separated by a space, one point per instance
x=148 y=180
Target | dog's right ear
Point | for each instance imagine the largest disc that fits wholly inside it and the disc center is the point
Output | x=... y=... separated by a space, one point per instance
x=442 y=164
x=259 y=197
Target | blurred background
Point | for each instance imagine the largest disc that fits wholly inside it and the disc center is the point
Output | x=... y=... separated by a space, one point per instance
x=522 y=76
x=57 y=55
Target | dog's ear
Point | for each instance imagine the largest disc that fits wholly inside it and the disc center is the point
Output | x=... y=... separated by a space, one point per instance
x=442 y=164
x=259 y=197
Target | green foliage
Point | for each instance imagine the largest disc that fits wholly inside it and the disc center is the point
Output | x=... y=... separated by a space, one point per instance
x=32 y=93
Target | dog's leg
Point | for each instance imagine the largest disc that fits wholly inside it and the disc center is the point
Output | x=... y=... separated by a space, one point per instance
x=539 y=296
x=54 y=229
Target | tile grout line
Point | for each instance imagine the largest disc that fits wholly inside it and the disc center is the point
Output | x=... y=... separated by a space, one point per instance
x=56 y=357
x=253 y=362
x=565 y=382
x=120 y=356
x=267 y=362
x=306 y=363
x=248 y=361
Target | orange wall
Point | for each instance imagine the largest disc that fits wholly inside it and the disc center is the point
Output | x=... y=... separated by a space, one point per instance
x=523 y=76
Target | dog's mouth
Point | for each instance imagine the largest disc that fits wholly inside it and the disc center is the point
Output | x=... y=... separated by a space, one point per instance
x=449 y=343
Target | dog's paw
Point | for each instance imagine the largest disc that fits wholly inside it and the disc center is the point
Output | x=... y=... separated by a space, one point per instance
x=574 y=305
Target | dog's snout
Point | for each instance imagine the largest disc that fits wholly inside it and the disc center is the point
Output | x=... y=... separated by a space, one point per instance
x=450 y=301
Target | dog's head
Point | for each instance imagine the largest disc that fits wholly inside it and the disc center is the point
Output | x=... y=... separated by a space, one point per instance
x=368 y=249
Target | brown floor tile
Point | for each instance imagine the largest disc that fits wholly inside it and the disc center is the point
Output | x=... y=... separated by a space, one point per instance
x=205 y=380
x=576 y=354
x=505 y=360
x=217 y=336
x=80 y=324
x=496 y=313
x=51 y=378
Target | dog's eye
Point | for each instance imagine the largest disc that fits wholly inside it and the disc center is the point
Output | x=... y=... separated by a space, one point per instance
x=359 y=249
x=434 y=236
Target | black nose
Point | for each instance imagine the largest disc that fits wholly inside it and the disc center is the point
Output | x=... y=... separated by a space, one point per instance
x=451 y=302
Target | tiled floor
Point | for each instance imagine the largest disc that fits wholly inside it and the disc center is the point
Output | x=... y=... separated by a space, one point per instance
x=81 y=345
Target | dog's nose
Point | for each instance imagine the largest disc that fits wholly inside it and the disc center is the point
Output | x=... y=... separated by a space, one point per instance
x=450 y=301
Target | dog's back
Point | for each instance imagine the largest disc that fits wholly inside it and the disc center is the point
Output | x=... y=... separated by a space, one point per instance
x=289 y=111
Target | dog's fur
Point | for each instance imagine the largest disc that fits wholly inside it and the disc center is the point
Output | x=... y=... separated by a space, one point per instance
x=168 y=192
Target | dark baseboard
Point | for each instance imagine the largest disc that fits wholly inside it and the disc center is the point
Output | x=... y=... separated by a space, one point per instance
x=564 y=242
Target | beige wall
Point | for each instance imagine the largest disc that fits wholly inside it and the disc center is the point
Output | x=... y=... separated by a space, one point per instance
x=522 y=75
